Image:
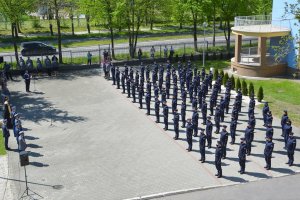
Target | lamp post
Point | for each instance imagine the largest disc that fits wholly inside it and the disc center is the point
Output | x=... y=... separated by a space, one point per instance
x=204 y=26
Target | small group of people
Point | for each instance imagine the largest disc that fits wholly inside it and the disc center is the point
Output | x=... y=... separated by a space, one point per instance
x=195 y=86
x=11 y=121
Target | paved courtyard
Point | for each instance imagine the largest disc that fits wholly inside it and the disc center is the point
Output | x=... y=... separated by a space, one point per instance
x=88 y=141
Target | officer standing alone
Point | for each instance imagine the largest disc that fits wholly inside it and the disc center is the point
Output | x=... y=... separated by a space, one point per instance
x=218 y=157
x=27 y=78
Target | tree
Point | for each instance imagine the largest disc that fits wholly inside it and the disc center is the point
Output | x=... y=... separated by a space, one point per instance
x=13 y=10
x=179 y=13
x=238 y=85
x=211 y=9
x=133 y=13
x=232 y=82
x=216 y=74
x=244 y=88
x=225 y=79
x=251 y=89
x=86 y=7
x=260 y=94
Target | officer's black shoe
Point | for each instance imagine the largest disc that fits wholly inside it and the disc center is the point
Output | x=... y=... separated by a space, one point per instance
x=220 y=176
x=242 y=172
x=175 y=138
x=156 y=121
x=224 y=157
x=189 y=150
x=291 y=164
x=239 y=171
x=8 y=149
x=287 y=163
x=202 y=161
x=216 y=174
x=266 y=167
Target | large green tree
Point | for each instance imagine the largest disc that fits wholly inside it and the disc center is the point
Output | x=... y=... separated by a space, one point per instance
x=13 y=10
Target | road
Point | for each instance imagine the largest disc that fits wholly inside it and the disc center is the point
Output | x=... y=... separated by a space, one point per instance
x=274 y=189
x=75 y=52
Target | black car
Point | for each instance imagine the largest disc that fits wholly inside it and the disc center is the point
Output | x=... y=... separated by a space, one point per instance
x=37 y=49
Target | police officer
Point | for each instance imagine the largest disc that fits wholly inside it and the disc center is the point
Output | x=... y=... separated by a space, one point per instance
x=223 y=140
x=233 y=125
x=27 y=78
x=123 y=77
x=284 y=119
x=176 y=124
x=209 y=129
x=163 y=96
x=174 y=104
x=268 y=153
x=204 y=111
x=128 y=83
x=291 y=146
x=22 y=143
x=242 y=155
x=287 y=129
x=5 y=133
x=189 y=134
x=195 y=119
x=217 y=119
x=113 y=74
x=133 y=92
x=202 y=142
x=166 y=113
x=218 y=157
x=222 y=108
x=147 y=98
x=269 y=131
x=183 y=112
x=141 y=97
x=157 y=102
x=249 y=138
x=269 y=119
x=118 y=77
x=266 y=109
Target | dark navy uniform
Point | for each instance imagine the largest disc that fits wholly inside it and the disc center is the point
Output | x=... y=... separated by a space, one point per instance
x=204 y=112
x=123 y=82
x=217 y=120
x=157 y=102
x=147 y=98
x=223 y=140
x=176 y=124
x=118 y=78
x=209 y=129
x=195 y=119
x=166 y=114
x=249 y=138
x=128 y=83
x=27 y=78
x=174 y=104
x=133 y=92
x=141 y=97
x=189 y=135
x=242 y=155
x=287 y=129
x=284 y=119
x=233 y=125
x=218 y=157
x=265 y=111
x=6 y=134
x=291 y=146
x=202 y=142
x=183 y=111
x=269 y=132
x=268 y=153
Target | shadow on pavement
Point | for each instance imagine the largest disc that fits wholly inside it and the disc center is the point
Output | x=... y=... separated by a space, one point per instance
x=38 y=164
x=257 y=174
x=283 y=170
x=235 y=179
x=37 y=109
x=34 y=146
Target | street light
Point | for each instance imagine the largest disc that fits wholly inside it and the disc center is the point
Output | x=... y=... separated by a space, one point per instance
x=204 y=26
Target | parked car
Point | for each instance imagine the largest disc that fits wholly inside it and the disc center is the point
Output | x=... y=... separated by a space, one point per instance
x=37 y=49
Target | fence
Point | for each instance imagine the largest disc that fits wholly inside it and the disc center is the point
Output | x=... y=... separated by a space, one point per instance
x=121 y=52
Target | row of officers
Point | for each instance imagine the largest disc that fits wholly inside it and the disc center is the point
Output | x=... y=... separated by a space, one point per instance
x=197 y=88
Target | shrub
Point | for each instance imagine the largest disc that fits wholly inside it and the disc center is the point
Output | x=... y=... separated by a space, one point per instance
x=238 y=84
x=244 y=88
x=232 y=82
x=216 y=74
x=260 y=94
x=225 y=79
x=251 y=89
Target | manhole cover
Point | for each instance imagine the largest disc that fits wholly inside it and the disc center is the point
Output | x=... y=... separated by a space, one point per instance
x=58 y=187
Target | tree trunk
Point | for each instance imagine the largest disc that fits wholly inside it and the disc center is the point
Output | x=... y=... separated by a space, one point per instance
x=13 y=34
x=87 y=17
x=58 y=33
x=180 y=25
x=72 y=23
x=221 y=24
x=195 y=34
x=18 y=26
x=228 y=36
x=151 y=25
x=214 y=26
x=112 y=42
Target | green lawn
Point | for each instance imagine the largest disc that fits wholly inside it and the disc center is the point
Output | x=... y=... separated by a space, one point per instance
x=2 y=148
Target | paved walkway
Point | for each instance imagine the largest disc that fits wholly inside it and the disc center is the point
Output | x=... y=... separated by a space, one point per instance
x=87 y=140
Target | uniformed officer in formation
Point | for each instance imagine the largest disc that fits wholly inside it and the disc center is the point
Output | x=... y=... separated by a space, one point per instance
x=209 y=130
x=6 y=134
x=166 y=114
x=176 y=124
x=189 y=134
x=249 y=138
x=157 y=103
x=233 y=125
x=284 y=119
x=268 y=152
x=218 y=157
x=195 y=119
x=224 y=140
x=202 y=141
x=183 y=112
x=290 y=147
x=242 y=155
x=148 y=101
